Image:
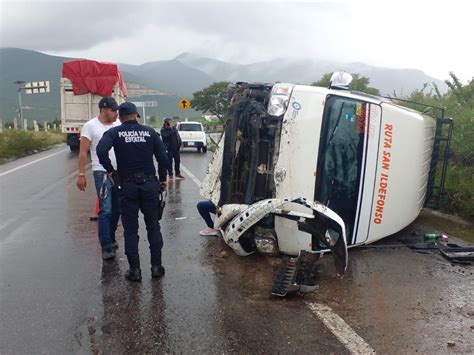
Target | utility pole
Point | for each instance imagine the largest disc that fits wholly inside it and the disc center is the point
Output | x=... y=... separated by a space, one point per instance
x=144 y=104
x=20 y=109
x=32 y=87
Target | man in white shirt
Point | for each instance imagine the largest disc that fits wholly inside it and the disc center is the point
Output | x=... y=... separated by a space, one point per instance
x=109 y=210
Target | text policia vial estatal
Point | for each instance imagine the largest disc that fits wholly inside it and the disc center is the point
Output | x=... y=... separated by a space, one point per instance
x=383 y=180
x=134 y=136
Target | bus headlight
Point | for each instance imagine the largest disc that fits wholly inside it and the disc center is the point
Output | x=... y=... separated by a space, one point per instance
x=279 y=98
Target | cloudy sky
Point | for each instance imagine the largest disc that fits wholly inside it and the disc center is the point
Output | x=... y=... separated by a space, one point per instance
x=434 y=36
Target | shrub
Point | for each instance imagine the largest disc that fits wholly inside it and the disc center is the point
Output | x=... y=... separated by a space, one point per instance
x=15 y=144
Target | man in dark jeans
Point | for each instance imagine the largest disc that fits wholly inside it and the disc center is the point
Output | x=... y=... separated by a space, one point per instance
x=172 y=141
x=135 y=146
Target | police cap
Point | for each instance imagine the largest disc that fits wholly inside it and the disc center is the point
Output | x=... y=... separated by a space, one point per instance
x=128 y=108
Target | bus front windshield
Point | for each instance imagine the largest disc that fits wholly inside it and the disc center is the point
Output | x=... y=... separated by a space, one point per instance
x=340 y=158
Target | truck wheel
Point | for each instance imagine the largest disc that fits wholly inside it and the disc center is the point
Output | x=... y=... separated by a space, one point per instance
x=74 y=148
x=204 y=149
x=198 y=149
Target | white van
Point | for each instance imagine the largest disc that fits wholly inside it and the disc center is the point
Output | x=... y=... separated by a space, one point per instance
x=192 y=135
x=303 y=170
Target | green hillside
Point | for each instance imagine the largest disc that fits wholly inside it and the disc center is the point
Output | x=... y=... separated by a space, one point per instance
x=170 y=76
x=179 y=77
x=19 y=64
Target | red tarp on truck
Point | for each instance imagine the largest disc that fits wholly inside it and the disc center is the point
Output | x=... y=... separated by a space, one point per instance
x=94 y=77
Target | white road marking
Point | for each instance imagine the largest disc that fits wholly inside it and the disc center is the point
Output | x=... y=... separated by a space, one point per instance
x=341 y=330
x=191 y=175
x=32 y=162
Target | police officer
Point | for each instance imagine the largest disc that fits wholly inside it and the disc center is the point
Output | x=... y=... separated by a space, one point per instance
x=139 y=188
x=173 y=143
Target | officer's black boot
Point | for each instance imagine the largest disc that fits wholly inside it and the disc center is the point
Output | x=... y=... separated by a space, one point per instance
x=157 y=269
x=134 y=273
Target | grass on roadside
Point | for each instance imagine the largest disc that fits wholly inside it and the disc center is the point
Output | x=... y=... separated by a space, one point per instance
x=436 y=222
x=460 y=191
x=16 y=144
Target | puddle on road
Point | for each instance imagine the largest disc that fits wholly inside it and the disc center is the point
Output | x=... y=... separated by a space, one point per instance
x=433 y=221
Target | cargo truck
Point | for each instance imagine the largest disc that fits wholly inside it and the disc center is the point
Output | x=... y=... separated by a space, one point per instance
x=304 y=170
x=83 y=83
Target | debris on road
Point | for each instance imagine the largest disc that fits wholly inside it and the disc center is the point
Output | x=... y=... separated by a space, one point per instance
x=433 y=237
x=437 y=241
x=458 y=254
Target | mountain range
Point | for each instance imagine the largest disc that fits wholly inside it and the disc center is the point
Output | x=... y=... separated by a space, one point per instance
x=167 y=81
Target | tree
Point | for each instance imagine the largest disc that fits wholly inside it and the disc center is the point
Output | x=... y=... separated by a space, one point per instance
x=152 y=121
x=463 y=94
x=359 y=83
x=212 y=99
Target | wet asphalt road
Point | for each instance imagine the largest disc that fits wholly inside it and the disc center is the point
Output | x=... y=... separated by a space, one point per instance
x=57 y=296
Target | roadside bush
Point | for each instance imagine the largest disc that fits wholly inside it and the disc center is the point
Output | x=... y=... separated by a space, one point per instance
x=460 y=190
x=15 y=144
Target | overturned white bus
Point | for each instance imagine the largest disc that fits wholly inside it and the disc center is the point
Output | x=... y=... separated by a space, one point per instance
x=303 y=170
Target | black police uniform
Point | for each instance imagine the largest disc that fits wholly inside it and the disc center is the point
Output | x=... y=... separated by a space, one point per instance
x=134 y=145
x=172 y=142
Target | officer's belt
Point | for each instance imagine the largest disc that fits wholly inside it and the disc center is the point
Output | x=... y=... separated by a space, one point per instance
x=139 y=178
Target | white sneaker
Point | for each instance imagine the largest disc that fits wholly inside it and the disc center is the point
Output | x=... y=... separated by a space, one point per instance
x=209 y=231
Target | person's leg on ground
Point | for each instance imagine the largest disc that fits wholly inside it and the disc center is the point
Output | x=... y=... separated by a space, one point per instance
x=149 y=203
x=129 y=204
x=205 y=208
x=114 y=218
x=103 y=188
x=177 y=163
x=170 y=164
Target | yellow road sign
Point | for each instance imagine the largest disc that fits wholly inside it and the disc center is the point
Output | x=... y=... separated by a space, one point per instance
x=184 y=104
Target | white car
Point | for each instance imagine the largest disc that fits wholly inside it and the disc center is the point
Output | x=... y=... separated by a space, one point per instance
x=193 y=135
